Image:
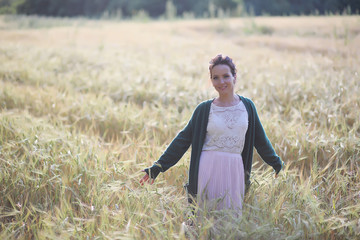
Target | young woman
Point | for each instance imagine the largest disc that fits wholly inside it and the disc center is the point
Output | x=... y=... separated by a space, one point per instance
x=222 y=132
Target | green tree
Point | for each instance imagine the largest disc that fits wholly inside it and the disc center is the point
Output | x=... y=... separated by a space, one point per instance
x=170 y=10
x=10 y=6
x=157 y=8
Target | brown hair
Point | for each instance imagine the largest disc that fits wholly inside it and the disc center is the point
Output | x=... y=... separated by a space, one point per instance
x=220 y=59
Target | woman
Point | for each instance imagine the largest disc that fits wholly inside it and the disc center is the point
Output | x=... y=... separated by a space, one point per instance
x=222 y=132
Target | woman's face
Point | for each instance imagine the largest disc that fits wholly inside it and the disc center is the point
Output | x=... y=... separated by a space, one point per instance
x=222 y=79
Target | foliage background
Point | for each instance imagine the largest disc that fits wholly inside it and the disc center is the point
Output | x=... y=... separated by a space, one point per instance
x=158 y=8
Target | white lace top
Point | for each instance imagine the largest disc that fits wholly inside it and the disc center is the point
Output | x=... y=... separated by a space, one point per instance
x=226 y=128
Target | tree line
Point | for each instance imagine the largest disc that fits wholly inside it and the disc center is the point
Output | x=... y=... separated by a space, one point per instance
x=176 y=8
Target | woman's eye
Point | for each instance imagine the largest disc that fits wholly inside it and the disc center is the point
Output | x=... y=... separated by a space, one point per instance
x=215 y=78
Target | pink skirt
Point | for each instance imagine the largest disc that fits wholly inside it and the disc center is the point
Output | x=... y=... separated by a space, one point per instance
x=221 y=181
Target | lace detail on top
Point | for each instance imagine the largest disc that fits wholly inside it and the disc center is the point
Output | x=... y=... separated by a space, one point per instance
x=226 y=128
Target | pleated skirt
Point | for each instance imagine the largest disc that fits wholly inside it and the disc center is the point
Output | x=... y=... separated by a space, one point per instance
x=221 y=181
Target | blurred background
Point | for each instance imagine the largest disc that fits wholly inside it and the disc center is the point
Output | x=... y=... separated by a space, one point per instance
x=176 y=8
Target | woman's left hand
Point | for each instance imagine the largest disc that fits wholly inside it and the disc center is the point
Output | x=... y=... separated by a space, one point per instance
x=282 y=167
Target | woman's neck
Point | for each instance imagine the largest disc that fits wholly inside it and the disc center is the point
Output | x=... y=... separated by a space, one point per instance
x=227 y=100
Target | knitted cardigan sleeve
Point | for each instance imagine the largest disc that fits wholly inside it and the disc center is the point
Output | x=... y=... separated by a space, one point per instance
x=177 y=148
x=263 y=145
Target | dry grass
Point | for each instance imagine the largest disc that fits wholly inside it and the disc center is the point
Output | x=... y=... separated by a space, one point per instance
x=86 y=105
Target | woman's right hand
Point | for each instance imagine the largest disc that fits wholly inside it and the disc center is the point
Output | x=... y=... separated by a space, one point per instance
x=146 y=178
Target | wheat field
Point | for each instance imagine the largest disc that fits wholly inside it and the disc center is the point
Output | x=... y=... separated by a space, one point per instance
x=85 y=105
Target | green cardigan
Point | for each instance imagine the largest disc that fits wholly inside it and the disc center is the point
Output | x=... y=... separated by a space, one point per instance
x=194 y=134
